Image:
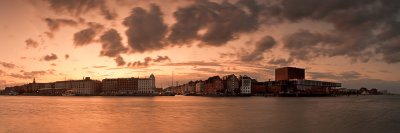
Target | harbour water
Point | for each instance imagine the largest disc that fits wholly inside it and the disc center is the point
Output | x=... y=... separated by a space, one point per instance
x=200 y=114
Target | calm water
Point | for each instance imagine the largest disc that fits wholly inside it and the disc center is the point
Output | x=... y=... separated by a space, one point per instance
x=199 y=114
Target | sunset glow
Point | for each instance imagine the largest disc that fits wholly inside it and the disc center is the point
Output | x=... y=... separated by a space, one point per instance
x=354 y=43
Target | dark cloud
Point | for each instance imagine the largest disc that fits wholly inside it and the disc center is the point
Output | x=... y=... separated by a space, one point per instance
x=140 y=64
x=30 y=43
x=50 y=57
x=261 y=47
x=66 y=56
x=146 y=29
x=111 y=44
x=79 y=7
x=147 y=62
x=84 y=37
x=362 y=29
x=350 y=75
x=161 y=59
x=343 y=76
x=55 y=24
x=120 y=61
x=29 y=75
x=8 y=65
x=219 y=22
x=281 y=61
x=87 y=36
x=194 y=63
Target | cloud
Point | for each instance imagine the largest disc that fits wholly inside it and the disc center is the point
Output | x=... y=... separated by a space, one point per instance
x=87 y=36
x=147 y=62
x=140 y=64
x=194 y=63
x=55 y=24
x=219 y=22
x=99 y=66
x=66 y=56
x=78 y=7
x=28 y=75
x=30 y=43
x=146 y=29
x=343 y=76
x=120 y=61
x=50 y=57
x=111 y=44
x=7 y=65
x=262 y=45
x=281 y=61
x=161 y=59
x=362 y=29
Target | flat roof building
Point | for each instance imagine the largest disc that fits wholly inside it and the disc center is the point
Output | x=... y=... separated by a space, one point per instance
x=286 y=73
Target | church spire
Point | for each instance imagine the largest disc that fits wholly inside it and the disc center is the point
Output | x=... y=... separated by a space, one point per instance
x=34 y=80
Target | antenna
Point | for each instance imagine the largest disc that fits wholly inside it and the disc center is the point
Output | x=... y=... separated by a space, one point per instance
x=172 y=82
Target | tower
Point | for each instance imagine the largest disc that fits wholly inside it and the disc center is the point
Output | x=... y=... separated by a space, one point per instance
x=34 y=80
x=153 y=80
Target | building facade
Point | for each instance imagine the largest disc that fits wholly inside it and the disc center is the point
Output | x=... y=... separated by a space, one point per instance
x=245 y=87
x=147 y=85
x=80 y=87
x=199 y=87
x=286 y=73
x=231 y=84
x=214 y=85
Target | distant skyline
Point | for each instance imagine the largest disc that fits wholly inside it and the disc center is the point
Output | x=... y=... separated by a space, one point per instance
x=354 y=42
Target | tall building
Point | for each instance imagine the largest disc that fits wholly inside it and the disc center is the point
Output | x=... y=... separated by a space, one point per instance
x=245 y=87
x=287 y=73
x=231 y=83
x=213 y=85
x=199 y=87
x=147 y=85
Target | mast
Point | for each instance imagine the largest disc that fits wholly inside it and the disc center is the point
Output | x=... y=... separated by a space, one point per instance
x=172 y=82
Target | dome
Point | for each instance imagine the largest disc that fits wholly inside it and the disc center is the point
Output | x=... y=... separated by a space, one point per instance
x=152 y=76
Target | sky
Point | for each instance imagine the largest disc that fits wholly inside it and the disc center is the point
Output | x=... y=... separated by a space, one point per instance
x=356 y=43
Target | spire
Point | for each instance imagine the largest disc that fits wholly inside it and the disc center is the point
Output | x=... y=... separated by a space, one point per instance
x=34 y=80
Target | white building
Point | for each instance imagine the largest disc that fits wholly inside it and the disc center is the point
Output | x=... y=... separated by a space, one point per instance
x=147 y=85
x=245 y=88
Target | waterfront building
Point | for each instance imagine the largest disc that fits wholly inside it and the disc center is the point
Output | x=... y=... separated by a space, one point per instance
x=231 y=84
x=291 y=81
x=190 y=87
x=286 y=73
x=120 y=86
x=214 y=85
x=245 y=86
x=147 y=85
x=258 y=88
x=199 y=87
x=85 y=86
x=110 y=86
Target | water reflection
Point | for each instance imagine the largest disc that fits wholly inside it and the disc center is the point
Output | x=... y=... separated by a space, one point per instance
x=199 y=114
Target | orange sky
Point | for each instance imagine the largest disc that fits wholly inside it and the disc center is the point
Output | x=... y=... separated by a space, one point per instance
x=27 y=38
